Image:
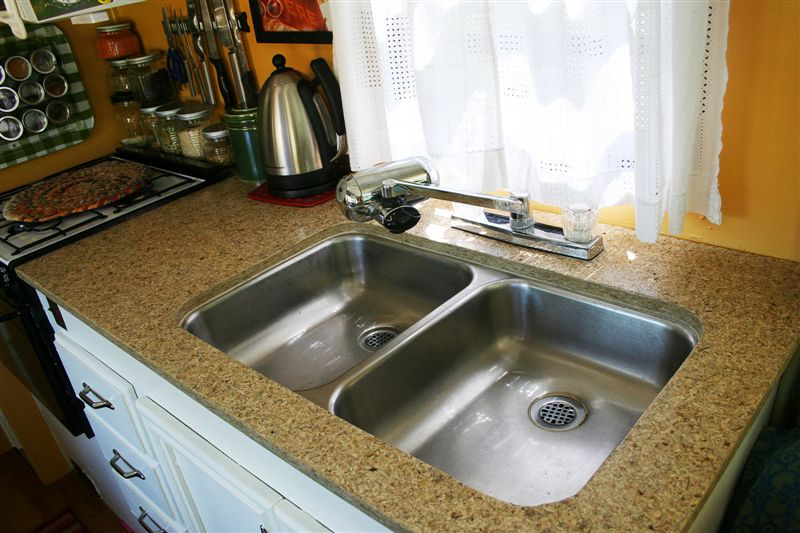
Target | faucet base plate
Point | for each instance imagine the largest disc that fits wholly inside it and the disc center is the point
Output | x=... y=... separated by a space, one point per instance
x=539 y=236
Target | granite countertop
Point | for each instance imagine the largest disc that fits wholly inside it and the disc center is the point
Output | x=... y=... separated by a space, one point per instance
x=134 y=281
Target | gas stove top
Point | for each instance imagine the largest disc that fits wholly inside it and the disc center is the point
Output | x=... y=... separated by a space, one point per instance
x=21 y=241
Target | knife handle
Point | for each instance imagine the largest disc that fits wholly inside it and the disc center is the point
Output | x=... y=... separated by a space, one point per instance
x=222 y=81
x=250 y=87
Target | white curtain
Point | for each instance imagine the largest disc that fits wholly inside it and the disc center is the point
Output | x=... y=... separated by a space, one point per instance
x=602 y=102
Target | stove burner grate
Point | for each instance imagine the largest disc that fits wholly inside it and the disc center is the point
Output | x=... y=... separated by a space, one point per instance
x=21 y=227
x=18 y=239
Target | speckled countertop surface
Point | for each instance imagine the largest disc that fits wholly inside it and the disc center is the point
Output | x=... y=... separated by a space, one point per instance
x=132 y=283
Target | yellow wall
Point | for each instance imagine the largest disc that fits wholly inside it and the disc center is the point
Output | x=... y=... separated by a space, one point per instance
x=760 y=160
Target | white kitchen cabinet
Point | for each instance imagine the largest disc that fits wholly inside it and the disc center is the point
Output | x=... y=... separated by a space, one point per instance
x=207 y=466
x=132 y=469
x=118 y=458
x=86 y=454
x=218 y=494
x=106 y=394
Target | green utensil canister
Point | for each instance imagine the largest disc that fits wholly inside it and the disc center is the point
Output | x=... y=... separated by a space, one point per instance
x=243 y=131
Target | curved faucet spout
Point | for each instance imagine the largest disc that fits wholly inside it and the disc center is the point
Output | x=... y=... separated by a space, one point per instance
x=517 y=205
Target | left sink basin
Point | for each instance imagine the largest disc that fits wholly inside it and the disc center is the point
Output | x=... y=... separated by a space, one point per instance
x=310 y=319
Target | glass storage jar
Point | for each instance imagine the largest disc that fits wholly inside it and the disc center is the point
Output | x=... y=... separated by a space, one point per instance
x=192 y=118
x=243 y=132
x=126 y=112
x=166 y=128
x=217 y=145
x=116 y=41
x=149 y=80
x=149 y=121
x=118 y=79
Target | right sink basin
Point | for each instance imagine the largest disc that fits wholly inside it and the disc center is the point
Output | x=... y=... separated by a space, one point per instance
x=519 y=390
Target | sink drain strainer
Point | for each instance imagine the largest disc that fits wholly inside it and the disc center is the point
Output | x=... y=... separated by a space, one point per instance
x=375 y=338
x=557 y=412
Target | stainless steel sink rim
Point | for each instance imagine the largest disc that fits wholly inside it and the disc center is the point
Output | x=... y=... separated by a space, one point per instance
x=483 y=278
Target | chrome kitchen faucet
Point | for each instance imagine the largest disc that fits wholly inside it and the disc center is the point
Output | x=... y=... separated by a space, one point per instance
x=387 y=193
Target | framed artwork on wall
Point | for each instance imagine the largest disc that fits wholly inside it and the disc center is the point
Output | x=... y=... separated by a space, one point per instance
x=290 y=21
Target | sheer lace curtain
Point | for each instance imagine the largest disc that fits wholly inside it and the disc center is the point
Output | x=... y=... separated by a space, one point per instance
x=604 y=102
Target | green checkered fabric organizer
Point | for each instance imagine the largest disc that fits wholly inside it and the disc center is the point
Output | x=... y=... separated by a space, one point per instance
x=81 y=120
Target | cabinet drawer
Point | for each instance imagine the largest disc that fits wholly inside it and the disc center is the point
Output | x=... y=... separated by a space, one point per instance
x=105 y=393
x=217 y=494
x=128 y=465
x=147 y=517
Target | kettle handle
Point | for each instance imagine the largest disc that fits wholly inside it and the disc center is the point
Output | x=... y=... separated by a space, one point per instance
x=331 y=89
x=307 y=89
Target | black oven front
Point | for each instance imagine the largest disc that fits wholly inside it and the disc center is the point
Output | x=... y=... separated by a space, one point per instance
x=27 y=350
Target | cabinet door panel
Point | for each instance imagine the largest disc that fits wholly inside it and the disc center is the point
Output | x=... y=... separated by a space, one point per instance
x=220 y=495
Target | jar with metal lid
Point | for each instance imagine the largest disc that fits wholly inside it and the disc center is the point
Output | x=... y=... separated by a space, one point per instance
x=116 y=41
x=126 y=111
x=149 y=121
x=118 y=79
x=149 y=80
x=243 y=132
x=192 y=118
x=11 y=128
x=217 y=145
x=166 y=128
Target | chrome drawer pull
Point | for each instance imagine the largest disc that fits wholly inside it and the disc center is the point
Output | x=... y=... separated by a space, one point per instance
x=118 y=469
x=147 y=528
x=84 y=395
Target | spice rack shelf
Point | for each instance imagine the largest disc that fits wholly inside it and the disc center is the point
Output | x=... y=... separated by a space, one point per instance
x=56 y=137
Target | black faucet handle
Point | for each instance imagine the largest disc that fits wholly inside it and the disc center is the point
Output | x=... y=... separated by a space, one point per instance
x=400 y=219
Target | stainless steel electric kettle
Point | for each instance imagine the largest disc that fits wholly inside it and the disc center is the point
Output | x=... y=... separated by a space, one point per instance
x=301 y=130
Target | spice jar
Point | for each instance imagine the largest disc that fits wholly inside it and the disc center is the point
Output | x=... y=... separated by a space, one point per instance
x=43 y=60
x=126 y=111
x=149 y=121
x=118 y=79
x=192 y=118
x=18 y=68
x=10 y=128
x=149 y=80
x=217 y=145
x=57 y=112
x=166 y=125
x=243 y=132
x=116 y=41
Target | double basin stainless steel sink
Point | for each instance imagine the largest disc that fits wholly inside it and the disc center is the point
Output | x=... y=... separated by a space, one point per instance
x=517 y=388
